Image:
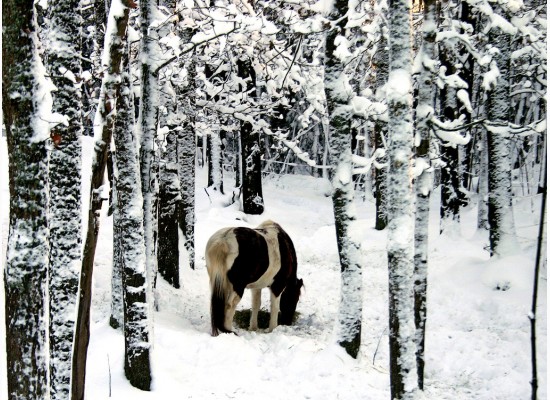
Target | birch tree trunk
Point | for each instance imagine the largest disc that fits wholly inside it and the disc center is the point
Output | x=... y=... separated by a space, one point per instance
x=338 y=94
x=403 y=376
x=25 y=274
x=103 y=135
x=133 y=249
x=65 y=222
x=425 y=110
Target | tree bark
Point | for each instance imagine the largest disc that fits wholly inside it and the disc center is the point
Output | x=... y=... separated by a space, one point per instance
x=116 y=320
x=380 y=131
x=338 y=94
x=253 y=201
x=148 y=121
x=25 y=274
x=137 y=366
x=105 y=121
x=186 y=160
x=400 y=205
x=65 y=222
x=169 y=194
x=502 y=237
x=424 y=182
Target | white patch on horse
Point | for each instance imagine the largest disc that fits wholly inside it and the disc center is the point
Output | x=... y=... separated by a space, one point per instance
x=270 y=236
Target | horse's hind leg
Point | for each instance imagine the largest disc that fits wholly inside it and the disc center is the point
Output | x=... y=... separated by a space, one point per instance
x=256 y=303
x=230 y=308
x=274 y=317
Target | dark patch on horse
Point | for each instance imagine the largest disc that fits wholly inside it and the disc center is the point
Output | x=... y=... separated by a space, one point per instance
x=288 y=262
x=252 y=261
x=289 y=268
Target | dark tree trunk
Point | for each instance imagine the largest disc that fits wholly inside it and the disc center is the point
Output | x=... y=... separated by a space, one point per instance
x=450 y=184
x=169 y=194
x=116 y=320
x=450 y=174
x=186 y=149
x=253 y=201
x=380 y=132
x=65 y=224
x=25 y=274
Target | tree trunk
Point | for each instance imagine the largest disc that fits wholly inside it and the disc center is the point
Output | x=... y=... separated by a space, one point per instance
x=502 y=229
x=169 y=194
x=403 y=376
x=25 y=274
x=215 y=156
x=483 y=185
x=105 y=122
x=253 y=201
x=65 y=224
x=424 y=182
x=450 y=176
x=340 y=116
x=116 y=320
x=538 y=263
x=380 y=132
x=148 y=121
x=186 y=149
x=134 y=271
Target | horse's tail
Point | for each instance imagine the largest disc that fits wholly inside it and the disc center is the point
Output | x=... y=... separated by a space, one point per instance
x=216 y=255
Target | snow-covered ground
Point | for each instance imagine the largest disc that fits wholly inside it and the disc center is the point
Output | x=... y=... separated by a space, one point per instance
x=477 y=344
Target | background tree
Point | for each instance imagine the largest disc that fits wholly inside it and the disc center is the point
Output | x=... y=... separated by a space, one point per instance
x=400 y=204
x=338 y=94
x=149 y=58
x=186 y=147
x=137 y=366
x=25 y=274
x=501 y=215
x=116 y=320
x=425 y=109
x=251 y=149
x=63 y=55
x=105 y=119
x=380 y=131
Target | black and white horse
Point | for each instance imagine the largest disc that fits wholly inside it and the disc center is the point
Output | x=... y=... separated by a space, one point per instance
x=239 y=258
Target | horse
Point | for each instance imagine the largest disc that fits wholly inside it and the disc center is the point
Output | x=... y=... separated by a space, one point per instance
x=239 y=258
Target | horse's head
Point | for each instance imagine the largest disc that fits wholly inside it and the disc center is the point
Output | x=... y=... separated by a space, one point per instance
x=289 y=300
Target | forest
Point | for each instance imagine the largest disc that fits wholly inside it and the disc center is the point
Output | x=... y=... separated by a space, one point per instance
x=400 y=143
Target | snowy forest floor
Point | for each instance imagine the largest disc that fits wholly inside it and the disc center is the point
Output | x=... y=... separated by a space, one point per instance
x=477 y=344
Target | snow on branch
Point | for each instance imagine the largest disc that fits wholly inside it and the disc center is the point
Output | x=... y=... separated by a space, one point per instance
x=364 y=164
x=449 y=131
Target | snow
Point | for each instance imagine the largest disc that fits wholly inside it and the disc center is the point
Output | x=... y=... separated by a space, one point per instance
x=477 y=344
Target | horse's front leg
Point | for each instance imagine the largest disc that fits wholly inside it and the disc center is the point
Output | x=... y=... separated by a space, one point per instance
x=256 y=303
x=274 y=317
